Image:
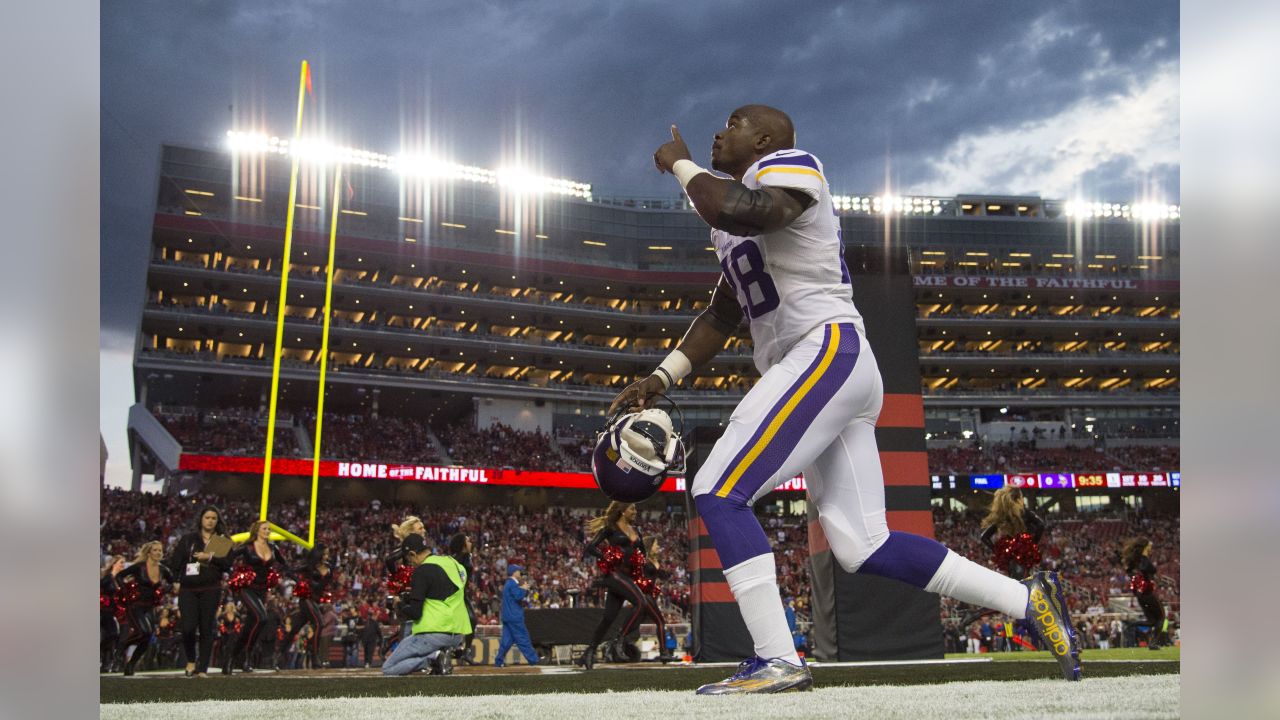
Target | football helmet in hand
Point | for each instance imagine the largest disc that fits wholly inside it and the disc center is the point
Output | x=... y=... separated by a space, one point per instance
x=634 y=454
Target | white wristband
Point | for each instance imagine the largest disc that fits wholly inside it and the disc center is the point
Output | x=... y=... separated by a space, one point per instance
x=686 y=170
x=674 y=367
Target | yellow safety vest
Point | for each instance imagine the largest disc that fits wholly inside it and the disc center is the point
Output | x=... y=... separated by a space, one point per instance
x=448 y=615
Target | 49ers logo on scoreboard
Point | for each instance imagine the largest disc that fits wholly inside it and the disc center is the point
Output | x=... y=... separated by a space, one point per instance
x=1091 y=480
x=1022 y=481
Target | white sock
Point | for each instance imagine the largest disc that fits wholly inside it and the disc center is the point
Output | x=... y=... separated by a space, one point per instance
x=970 y=582
x=754 y=584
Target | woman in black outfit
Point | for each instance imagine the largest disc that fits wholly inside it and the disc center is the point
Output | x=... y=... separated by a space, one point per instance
x=229 y=629
x=108 y=623
x=200 y=589
x=460 y=548
x=1142 y=583
x=1017 y=549
x=1012 y=532
x=316 y=575
x=614 y=543
x=395 y=563
x=260 y=556
x=149 y=577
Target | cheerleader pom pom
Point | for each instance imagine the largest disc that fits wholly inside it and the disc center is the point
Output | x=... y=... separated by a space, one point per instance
x=610 y=558
x=241 y=578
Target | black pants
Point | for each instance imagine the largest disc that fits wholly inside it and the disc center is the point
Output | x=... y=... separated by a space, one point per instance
x=1154 y=611
x=142 y=623
x=108 y=636
x=255 y=619
x=620 y=589
x=308 y=612
x=199 y=613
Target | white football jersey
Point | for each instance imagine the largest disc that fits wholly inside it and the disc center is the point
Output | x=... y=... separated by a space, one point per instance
x=792 y=280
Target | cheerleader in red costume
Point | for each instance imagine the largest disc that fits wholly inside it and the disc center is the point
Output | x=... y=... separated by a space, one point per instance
x=399 y=573
x=1142 y=583
x=109 y=612
x=627 y=576
x=311 y=591
x=259 y=570
x=229 y=629
x=150 y=579
x=1012 y=532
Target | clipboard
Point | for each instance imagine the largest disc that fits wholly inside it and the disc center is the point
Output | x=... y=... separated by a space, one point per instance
x=219 y=545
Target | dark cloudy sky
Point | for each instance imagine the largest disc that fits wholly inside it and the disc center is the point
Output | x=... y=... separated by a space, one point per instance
x=1060 y=99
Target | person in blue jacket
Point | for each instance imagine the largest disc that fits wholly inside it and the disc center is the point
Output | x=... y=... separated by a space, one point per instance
x=513 y=629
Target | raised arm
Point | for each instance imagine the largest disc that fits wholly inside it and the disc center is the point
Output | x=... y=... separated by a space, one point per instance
x=988 y=537
x=727 y=204
x=1034 y=524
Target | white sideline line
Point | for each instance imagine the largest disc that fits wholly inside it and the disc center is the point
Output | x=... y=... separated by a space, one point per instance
x=867 y=663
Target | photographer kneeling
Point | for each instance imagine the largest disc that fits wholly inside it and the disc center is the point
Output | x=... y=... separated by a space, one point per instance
x=434 y=604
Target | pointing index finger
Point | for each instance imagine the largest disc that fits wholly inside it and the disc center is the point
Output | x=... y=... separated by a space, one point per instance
x=675 y=133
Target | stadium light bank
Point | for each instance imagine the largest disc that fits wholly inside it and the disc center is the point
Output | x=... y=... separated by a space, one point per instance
x=1136 y=211
x=525 y=182
x=422 y=166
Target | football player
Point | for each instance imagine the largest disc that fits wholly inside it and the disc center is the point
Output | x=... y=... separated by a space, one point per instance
x=815 y=406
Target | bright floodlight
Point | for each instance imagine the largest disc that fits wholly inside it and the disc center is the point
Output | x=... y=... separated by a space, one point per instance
x=321 y=152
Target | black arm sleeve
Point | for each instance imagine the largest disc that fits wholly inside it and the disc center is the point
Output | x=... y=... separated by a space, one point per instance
x=286 y=568
x=724 y=313
x=746 y=212
x=1034 y=524
x=394 y=559
x=593 y=547
x=988 y=537
x=1148 y=568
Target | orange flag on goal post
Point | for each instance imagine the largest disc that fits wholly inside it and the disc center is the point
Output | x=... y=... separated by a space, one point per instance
x=306 y=68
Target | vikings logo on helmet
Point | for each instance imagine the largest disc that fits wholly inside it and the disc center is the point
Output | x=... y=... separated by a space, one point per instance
x=634 y=453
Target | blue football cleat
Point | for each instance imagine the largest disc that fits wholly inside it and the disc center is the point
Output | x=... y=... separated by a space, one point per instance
x=757 y=675
x=1047 y=614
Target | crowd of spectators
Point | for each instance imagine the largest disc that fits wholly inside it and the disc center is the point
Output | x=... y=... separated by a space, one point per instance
x=386 y=437
x=226 y=431
x=1083 y=547
x=500 y=445
x=1015 y=457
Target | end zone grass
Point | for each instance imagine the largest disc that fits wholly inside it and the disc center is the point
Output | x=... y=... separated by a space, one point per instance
x=1153 y=696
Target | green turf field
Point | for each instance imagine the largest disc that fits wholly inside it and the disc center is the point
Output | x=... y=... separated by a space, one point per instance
x=156 y=687
x=1140 y=653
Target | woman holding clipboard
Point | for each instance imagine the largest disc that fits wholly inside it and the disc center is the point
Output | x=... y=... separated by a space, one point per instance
x=198 y=562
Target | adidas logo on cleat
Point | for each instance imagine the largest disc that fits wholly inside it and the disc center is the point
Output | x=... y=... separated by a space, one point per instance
x=1053 y=632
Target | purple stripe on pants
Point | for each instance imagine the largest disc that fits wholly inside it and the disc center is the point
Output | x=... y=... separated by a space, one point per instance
x=788 y=435
x=773 y=412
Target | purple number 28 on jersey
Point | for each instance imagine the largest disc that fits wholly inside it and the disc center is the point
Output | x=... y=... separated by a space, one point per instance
x=752 y=276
